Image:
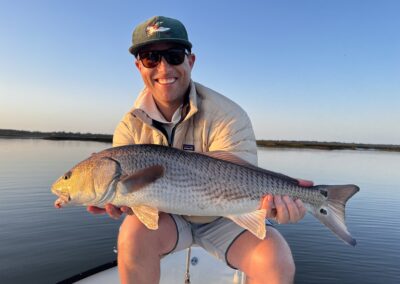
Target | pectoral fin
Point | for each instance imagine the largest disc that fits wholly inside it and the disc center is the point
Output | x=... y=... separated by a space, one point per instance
x=147 y=215
x=253 y=222
x=141 y=178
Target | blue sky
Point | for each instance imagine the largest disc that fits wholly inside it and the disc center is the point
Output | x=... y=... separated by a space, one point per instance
x=303 y=70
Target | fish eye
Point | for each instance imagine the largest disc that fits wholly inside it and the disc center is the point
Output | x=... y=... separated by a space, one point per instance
x=67 y=176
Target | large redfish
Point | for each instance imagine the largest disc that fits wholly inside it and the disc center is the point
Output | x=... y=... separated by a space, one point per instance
x=152 y=178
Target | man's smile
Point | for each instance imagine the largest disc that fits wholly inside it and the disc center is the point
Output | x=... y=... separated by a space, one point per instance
x=166 y=81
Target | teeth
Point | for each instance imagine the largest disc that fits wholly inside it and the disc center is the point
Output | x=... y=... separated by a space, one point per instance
x=166 y=80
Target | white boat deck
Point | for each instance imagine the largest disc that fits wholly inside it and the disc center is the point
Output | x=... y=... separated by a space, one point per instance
x=204 y=268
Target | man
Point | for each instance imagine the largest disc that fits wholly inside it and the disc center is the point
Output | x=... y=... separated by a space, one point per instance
x=173 y=110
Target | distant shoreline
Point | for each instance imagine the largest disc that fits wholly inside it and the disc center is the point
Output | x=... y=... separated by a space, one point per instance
x=107 y=138
x=326 y=145
x=10 y=133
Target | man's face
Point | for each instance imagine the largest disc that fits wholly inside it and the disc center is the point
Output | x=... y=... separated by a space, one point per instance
x=168 y=83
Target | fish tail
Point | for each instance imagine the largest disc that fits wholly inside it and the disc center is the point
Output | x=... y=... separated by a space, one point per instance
x=332 y=211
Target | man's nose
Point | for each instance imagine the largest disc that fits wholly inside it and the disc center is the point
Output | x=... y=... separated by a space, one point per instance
x=163 y=65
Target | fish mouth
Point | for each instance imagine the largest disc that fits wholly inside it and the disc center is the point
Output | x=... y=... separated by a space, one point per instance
x=62 y=200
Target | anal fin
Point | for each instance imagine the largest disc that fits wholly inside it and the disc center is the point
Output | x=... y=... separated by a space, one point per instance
x=253 y=222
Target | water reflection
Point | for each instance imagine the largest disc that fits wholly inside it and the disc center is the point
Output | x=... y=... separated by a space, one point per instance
x=41 y=243
x=371 y=215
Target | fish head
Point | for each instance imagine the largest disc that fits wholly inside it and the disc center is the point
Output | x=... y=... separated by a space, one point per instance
x=87 y=183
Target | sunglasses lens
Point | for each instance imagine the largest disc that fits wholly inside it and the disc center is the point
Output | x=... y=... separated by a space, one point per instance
x=151 y=59
x=175 y=56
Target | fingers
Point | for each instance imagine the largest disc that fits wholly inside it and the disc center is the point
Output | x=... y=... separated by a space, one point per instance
x=127 y=210
x=282 y=213
x=302 y=209
x=269 y=206
x=289 y=211
x=113 y=211
x=95 y=210
x=293 y=211
x=305 y=183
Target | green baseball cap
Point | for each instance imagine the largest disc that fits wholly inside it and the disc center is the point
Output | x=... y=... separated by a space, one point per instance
x=159 y=29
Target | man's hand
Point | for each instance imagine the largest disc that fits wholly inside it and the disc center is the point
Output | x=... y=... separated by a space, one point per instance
x=113 y=211
x=283 y=208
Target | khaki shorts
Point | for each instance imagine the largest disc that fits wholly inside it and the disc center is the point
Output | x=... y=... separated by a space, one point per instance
x=215 y=237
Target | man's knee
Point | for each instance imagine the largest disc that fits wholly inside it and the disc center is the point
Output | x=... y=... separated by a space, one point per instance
x=269 y=265
x=135 y=241
x=131 y=231
x=267 y=261
x=278 y=259
x=281 y=265
x=131 y=241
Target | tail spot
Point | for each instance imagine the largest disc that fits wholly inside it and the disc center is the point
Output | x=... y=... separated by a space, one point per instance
x=323 y=211
x=324 y=193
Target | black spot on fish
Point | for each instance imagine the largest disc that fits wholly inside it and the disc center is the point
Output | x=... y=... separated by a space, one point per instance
x=323 y=211
x=324 y=193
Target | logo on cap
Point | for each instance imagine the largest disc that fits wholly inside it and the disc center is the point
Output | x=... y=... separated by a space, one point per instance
x=156 y=27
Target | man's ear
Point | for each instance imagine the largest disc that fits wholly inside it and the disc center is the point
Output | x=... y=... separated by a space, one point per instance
x=137 y=63
x=191 y=60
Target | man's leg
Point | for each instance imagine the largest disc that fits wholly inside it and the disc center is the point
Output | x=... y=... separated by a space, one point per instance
x=263 y=261
x=140 y=249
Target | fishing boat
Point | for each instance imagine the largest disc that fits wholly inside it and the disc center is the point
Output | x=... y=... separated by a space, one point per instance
x=193 y=266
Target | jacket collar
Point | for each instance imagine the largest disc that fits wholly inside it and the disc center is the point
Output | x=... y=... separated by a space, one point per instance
x=146 y=110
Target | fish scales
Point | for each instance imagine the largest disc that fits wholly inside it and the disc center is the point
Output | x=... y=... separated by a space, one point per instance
x=210 y=182
x=152 y=178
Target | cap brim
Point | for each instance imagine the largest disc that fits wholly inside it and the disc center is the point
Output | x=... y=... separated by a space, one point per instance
x=135 y=48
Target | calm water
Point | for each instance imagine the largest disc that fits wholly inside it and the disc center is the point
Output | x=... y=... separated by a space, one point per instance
x=39 y=244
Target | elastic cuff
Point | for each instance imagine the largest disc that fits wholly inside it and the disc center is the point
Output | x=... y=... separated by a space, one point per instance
x=177 y=237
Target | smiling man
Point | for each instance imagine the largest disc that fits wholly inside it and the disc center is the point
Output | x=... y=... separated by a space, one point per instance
x=175 y=111
x=166 y=85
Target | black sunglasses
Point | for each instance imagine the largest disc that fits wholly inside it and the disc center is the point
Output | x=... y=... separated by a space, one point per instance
x=174 y=56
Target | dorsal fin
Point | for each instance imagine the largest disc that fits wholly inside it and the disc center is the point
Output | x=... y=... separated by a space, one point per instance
x=227 y=156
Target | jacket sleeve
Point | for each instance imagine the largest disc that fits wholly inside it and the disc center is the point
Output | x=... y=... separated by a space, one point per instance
x=234 y=134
